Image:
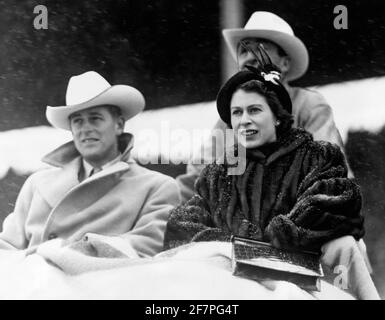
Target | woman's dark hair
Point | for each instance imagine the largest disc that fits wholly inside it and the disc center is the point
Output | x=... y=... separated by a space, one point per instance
x=285 y=118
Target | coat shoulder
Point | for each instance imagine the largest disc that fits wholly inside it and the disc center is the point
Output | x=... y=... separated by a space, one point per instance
x=158 y=186
x=325 y=151
x=312 y=96
x=156 y=177
x=44 y=175
x=323 y=147
x=308 y=103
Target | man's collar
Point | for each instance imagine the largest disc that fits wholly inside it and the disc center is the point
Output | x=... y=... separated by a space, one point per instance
x=88 y=167
x=68 y=152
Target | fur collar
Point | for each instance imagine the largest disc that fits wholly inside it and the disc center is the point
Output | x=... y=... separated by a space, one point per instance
x=295 y=138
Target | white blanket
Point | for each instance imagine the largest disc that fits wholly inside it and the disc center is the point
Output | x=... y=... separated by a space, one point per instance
x=195 y=271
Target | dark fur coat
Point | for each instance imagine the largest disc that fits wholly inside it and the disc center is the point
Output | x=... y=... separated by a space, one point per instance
x=296 y=194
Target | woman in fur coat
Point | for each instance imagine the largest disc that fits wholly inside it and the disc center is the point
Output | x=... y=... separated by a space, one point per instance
x=294 y=191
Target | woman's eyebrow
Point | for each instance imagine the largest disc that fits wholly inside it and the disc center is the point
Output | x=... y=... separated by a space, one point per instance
x=255 y=105
x=250 y=105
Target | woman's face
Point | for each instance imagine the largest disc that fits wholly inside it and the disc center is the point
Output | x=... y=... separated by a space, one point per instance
x=252 y=119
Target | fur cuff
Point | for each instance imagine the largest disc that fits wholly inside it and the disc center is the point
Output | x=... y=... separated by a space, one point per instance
x=282 y=232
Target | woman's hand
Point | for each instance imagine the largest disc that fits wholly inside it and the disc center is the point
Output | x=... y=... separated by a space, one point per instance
x=282 y=232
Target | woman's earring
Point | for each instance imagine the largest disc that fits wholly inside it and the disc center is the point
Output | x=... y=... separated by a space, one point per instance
x=278 y=123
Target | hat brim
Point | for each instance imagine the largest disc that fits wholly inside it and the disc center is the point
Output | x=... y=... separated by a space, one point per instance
x=128 y=99
x=225 y=94
x=292 y=45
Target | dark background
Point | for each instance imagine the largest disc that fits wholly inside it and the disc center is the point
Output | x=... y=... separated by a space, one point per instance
x=170 y=50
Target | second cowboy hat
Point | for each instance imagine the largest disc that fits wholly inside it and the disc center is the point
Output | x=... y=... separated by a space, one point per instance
x=90 y=89
x=267 y=25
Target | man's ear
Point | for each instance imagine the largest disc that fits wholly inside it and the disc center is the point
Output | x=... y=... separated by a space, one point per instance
x=120 y=125
x=285 y=65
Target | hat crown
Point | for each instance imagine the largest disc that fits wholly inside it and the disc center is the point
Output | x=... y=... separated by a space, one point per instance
x=263 y=20
x=84 y=87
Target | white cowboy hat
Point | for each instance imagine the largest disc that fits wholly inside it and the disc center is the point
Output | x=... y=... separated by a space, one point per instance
x=90 y=89
x=267 y=25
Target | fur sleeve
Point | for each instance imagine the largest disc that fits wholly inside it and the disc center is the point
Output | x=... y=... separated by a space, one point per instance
x=328 y=204
x=193 y=221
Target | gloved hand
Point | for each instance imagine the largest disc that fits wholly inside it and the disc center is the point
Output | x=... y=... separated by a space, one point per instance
x=345 y=258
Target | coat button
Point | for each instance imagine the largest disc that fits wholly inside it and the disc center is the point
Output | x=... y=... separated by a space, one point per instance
x=52 y=236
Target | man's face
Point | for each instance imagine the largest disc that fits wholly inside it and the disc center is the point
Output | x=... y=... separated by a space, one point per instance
x=247 y=57
x=95 y=131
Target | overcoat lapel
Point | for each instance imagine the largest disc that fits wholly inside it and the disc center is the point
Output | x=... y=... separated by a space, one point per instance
x=66 y=178
x=83 y=195
x=90 y=190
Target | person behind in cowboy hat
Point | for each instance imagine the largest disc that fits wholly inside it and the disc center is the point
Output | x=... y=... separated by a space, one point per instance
x=94 y=187
x=310 y=109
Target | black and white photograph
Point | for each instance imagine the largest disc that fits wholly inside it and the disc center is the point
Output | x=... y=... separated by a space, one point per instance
x=192 y=151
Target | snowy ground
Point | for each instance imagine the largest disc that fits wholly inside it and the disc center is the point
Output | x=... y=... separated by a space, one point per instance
x=176 y=132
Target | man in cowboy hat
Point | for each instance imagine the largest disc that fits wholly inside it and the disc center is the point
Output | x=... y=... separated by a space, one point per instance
x=94 y=189
x=310 y=109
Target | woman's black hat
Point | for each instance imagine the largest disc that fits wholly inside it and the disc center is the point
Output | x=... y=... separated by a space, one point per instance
x=267 y=73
